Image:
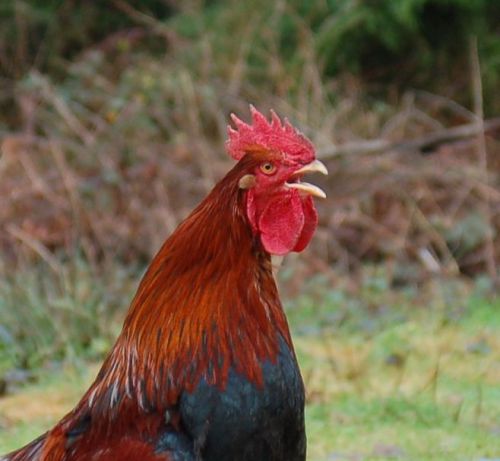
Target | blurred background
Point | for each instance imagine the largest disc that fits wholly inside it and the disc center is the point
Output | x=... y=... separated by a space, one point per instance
x=112 y=122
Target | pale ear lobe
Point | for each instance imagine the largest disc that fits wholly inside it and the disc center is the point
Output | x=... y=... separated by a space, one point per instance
x=247 y=181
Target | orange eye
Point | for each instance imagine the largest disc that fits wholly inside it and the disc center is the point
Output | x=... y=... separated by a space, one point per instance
x=267 y=168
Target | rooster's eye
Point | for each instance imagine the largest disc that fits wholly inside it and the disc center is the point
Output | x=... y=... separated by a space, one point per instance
x=267 y=168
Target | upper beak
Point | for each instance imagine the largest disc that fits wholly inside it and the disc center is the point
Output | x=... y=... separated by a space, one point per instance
x=314 y=167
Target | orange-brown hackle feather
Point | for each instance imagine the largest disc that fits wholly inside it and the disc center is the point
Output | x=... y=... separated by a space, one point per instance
x=194 y=313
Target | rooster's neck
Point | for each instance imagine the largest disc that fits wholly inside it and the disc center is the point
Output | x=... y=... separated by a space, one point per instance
x=207 y=304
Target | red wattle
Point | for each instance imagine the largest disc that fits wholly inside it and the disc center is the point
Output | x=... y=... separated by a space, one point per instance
x=285 y=222
x=281 y=223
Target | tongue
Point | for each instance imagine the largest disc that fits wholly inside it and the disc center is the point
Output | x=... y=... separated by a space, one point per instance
x=284 y=225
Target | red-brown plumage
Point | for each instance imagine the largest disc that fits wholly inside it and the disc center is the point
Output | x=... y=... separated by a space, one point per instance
x=109 y=449
x=208 y=304
x=127 y=450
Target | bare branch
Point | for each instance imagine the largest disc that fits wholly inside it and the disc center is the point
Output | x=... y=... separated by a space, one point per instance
x=144 y=19
x=422 y=143
x=38 y=247
x=477 y=88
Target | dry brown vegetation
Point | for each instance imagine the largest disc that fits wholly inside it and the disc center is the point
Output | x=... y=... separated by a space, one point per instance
x=415 y=185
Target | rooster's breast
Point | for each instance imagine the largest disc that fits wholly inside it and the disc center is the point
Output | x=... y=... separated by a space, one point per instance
x=245 y=422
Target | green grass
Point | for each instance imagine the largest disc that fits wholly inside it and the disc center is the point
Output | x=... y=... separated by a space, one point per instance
x=411 y=383
x=417 y=387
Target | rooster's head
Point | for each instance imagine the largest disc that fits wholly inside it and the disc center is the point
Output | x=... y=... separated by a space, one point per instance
x=279 y=205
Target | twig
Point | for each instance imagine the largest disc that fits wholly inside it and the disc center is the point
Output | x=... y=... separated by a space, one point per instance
x=69 y=180
x=38 y=181
x=478 y=410
x=477 y=87
x=422 y=220
x=448 y=103
x=38 y=247
x=144 y=19
x=423 y=143
x=62 y=108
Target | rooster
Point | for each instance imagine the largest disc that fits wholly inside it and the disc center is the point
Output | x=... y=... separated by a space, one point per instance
x=204 y=368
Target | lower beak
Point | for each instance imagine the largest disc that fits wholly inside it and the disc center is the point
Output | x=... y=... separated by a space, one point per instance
x=314 y=167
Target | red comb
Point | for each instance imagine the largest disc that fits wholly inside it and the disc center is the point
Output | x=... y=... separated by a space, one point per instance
x=275 y=136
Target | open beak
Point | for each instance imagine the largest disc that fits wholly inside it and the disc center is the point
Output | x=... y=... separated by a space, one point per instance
x=314 y=167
